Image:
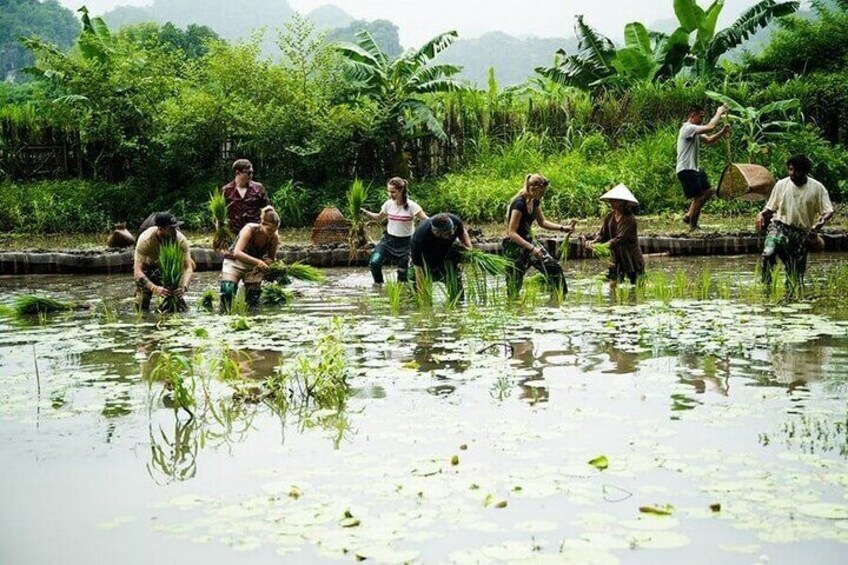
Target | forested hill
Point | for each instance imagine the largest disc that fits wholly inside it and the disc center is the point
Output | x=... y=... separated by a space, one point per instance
x=26 y=18
x=229 y=18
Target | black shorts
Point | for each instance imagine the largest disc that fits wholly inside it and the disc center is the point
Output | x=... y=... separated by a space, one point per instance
x=695 y=183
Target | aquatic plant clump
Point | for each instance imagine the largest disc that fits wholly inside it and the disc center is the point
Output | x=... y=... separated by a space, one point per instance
x=357 y=194
x=31 y=305
x=223 y=237
x=275 y=295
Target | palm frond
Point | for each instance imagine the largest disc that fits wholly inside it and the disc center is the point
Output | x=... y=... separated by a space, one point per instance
x=756 y=17
x=422 y=114
x=366 y=42
x=433 y=72
x=594 y=46
x=436 y=45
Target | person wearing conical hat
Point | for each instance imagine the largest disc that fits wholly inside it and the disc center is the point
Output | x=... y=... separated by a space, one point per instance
x=620 y=231
x=525 y=209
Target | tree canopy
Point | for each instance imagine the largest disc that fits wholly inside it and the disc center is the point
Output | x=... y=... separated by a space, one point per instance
x=47 y=20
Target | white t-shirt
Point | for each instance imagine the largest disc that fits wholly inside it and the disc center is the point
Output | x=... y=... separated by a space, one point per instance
x=400 y=218
x=688 y=147
x=799 y=206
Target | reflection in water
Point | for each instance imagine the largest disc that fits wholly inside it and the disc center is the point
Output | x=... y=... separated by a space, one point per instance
x=173 y=457
x=532 y=384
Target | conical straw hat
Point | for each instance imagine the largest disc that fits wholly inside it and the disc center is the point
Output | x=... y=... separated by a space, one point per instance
x=620 y=192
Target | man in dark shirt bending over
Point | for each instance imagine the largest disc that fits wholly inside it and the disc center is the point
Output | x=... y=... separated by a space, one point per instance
x=433 y=251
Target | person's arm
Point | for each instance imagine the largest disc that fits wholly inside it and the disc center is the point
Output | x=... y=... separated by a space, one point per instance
x=465 y=239
x=827 y=211
x=142 y=281
x=379 y=217
x=764 y=217
x=188 y=272
x=603 y=234
x=710 y=139
x=544 y=223
x=243 y=240
x=421 y=215
x=713 y=123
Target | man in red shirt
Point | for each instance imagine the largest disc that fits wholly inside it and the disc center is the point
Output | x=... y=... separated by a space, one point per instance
x=245 y=198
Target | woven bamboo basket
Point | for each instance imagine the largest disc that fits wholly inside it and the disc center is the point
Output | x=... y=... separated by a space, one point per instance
x=330 y=227
x=745 y=181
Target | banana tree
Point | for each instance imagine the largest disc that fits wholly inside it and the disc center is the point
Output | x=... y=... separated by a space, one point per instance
x=710 y=45
x=398 y=86
x=759 y=128
x=646 y=56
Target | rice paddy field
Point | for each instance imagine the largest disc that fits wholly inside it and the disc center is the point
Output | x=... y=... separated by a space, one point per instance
x=695 y=419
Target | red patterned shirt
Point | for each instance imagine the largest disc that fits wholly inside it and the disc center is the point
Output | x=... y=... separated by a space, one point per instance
x=244 y=210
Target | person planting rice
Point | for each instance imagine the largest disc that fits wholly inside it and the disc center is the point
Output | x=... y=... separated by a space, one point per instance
x=146 y=267
x=432 y=248
x=696 y=185
x=394 y=246
x=248 y=258
x=618 y=231
x=519 y=245
x=798 y=207
x=245 y=198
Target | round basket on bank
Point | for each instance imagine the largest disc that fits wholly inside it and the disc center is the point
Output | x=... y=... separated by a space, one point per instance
x=330 y=227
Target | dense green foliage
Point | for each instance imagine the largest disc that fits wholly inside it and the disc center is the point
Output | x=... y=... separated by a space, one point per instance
x=48 y=20
x=151 y=117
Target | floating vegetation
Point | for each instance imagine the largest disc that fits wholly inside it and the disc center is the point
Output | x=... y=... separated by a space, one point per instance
x=177 y=373
x=319 y=377
x=33 y=305
x=223 y=237
x=283 y=273
x=171 y=263
x=275 y=295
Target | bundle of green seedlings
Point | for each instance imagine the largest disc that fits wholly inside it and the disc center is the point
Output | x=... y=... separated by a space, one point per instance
x=601 y=250
x=282 y=273
x=495 y=265
x=209 y=299
x=357 y=194
x=171 y=262
x=223 y=237
x=33 y=305
x=275 y=295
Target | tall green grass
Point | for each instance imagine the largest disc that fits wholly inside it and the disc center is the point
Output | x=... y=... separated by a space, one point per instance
x=171 y=263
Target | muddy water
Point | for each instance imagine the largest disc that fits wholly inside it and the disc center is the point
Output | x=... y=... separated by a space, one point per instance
x=466 y=439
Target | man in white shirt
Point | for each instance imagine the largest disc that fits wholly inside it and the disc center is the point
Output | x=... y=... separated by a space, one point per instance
x=696 y=185
x=798 y=207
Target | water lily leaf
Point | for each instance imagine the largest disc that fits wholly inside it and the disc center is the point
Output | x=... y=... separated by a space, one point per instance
x=601 y=462
x=825 y=510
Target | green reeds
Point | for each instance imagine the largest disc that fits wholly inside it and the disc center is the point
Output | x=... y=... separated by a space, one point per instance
x=209 y=299
x=601 y=250
x=177 y=372
x=495 y=265
x=275 y=295
x=282 y=273
x=223 y=237
x=357 y=194
x=394 y=295
x=31 y=305
x=171 y=263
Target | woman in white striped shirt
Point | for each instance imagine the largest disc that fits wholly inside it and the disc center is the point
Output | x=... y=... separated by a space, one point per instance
x=393 y=248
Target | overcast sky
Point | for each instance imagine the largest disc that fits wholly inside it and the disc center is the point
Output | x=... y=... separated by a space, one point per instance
x=420 y=20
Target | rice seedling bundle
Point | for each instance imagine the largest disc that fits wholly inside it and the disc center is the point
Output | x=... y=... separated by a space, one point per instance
x=208 y=300
x=29 y=305
x=275 y=295
x=222 y=237
x=487 y=262
x=356 y=197
x=601 y=250
x=171 y=261
x=282 y=273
